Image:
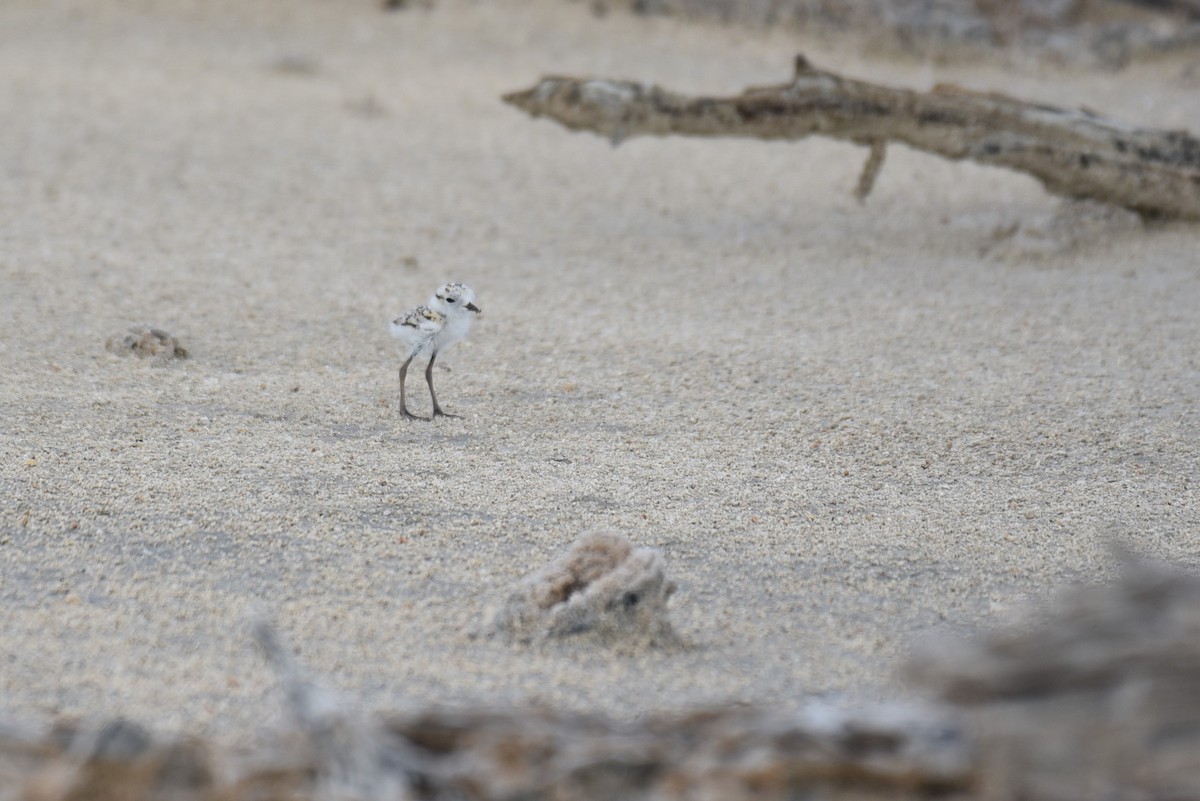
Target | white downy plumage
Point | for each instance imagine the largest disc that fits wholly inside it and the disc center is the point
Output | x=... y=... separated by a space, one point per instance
x=442 y=321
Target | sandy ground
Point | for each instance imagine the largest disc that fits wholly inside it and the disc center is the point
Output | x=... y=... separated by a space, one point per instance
x=844 y=426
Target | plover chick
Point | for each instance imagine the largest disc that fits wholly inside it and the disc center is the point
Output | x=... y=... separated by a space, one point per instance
x=416 y=329
x=432 y=328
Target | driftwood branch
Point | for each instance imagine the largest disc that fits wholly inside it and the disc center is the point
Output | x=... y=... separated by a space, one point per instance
x=1074 y=153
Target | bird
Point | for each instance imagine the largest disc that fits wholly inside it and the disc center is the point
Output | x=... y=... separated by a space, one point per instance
x=431 y=328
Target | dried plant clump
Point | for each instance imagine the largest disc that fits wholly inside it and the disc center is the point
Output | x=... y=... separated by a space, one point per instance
x=146 y=342
x=602 y=587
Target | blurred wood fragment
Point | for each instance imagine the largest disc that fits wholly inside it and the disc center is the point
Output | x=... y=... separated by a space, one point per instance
x=1100 y=699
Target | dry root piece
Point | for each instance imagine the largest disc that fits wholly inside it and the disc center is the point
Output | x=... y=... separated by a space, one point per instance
x=1074 y=153
x=603 y=586
x=146 y=342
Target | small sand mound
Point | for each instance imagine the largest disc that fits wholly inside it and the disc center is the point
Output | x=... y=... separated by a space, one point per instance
x=146 y=343
x=1073 y=225
x=602 y=587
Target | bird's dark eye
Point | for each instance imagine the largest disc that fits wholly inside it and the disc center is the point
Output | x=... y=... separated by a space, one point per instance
x=450 y=300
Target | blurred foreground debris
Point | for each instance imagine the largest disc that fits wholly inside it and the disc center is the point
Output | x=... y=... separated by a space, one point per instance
x=1073 y=153
x=1100 y=699
x=895 y=752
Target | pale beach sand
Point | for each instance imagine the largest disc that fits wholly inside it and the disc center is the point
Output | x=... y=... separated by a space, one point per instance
x=844 y=426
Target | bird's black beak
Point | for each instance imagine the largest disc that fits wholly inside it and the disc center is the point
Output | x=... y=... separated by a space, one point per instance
x=473 y=307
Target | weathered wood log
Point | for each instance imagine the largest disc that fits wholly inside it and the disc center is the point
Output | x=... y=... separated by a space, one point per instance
x=1074 y=153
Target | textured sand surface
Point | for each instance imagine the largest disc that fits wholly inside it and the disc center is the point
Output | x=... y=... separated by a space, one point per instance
x=843 y=425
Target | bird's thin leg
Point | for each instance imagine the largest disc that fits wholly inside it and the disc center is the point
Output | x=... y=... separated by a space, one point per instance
x=403 y=407
x=437 y=410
